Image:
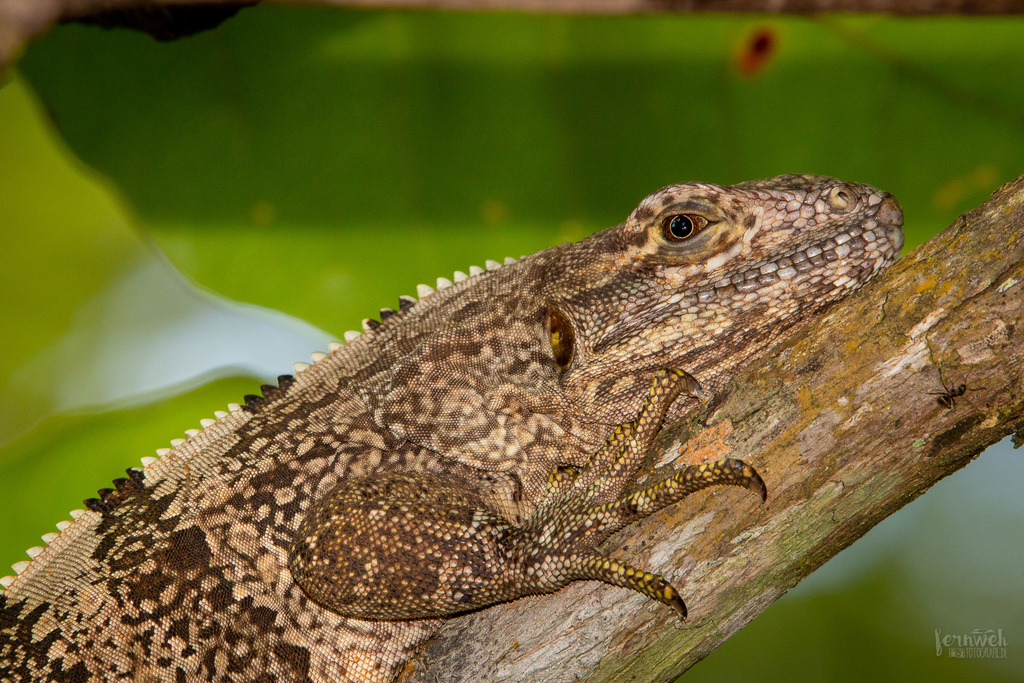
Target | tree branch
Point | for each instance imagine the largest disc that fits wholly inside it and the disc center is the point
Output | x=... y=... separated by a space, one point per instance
x=23 y=20
x=841 y=424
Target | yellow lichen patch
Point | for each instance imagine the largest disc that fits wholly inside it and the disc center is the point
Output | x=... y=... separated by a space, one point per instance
x=925 y=286
x=806 y=398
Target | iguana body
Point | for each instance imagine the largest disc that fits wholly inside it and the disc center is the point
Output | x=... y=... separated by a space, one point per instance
x=461 y=452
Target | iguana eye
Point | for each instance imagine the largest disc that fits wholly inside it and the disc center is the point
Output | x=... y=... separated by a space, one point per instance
x=562 y=338
x=681 y=226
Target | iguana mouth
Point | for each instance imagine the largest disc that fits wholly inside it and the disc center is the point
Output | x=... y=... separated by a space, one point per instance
x=853 y=247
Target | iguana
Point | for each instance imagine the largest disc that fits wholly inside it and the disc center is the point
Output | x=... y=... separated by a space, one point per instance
x=468 y=448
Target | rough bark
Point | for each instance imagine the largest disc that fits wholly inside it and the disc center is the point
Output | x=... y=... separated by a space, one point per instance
x=842 y=424
x=23 y=20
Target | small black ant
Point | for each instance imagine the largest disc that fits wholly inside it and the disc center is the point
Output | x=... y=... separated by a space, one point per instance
x=947 y=397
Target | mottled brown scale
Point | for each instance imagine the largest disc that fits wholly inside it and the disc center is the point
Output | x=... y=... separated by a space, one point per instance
x=474 y=446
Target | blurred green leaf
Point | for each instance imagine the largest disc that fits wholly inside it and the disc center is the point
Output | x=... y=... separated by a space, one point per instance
x=64 y=234
x=313 y=159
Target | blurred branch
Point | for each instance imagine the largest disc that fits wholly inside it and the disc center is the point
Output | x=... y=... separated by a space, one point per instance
x=844 y=424
x=23 y=20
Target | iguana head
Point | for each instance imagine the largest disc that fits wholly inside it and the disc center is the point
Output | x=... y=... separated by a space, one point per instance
x=702 y=277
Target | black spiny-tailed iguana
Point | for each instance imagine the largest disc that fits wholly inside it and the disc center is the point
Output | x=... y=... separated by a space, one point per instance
x=463 y=451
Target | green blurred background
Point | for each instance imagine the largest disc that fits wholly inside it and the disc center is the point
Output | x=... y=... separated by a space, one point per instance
x=181 y=220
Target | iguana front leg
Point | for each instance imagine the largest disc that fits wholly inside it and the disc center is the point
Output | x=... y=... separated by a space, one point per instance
x=410 y=546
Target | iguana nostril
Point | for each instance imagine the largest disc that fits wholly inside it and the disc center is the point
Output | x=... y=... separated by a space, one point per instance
x=890 y=212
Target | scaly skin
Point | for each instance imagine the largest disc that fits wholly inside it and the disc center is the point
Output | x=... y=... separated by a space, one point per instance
x=449 y=458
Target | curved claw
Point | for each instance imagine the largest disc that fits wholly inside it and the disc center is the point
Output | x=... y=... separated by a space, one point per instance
x=694 y=478
x=670 y=596
x=756 y=484
x=609 y=570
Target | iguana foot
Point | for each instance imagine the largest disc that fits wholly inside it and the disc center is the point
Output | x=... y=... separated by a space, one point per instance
x=411 y=546
x=558 y=543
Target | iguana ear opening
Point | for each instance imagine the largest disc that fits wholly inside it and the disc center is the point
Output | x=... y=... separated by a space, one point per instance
x=561 y=336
